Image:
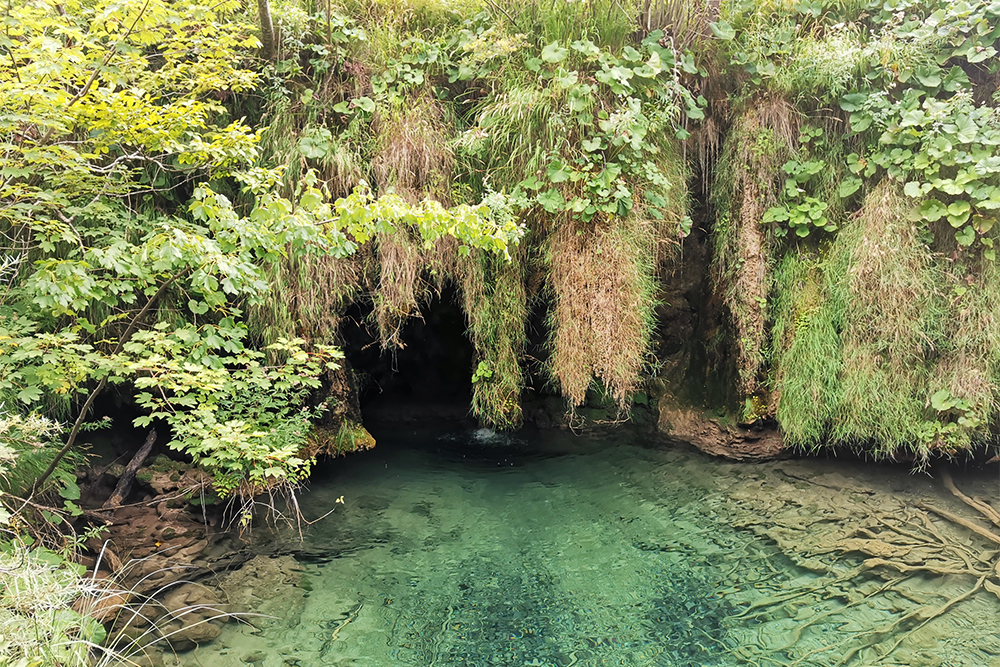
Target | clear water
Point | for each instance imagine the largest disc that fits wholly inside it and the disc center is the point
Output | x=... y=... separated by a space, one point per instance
x=553 y=550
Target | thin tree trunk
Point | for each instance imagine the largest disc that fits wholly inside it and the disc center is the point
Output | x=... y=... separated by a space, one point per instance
x=266 y=30
x=125 y=481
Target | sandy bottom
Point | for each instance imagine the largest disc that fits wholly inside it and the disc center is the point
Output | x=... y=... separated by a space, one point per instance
x=552 y=550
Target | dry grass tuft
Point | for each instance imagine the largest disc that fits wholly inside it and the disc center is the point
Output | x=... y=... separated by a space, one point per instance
x=970 y=367
x=604 y=294
x=413 y=155
x=749 y=181
x=400 y=288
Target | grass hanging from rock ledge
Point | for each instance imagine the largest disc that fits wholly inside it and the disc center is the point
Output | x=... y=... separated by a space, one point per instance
x=495 y=300
x=892 y=312
x=749 y=173
x=604 y=294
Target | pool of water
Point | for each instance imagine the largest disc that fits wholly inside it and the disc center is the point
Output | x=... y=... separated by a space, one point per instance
x=547 y=549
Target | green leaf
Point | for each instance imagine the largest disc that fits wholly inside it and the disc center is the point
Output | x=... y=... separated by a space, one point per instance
x=71 y=491
x=366 y=104
x=981 y=54
x=553 y=53
x=932 y=210
x=942 y=400
x=551 y=200
x=849 y=186
x=29 y=394
x=912 y=189
x=853 y=101
x=965 y=236
x=912 y=118
x=723 y=30
x=860 y=121
x=959 y=207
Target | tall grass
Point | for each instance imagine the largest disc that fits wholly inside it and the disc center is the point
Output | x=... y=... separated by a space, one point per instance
x=806 y=344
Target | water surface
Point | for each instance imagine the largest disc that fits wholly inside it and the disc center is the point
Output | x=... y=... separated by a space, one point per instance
x=548 y=549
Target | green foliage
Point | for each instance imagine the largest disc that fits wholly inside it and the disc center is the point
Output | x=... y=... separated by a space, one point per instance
x=28 y=444
x=240 y=418
x=41 y=626
x=115 y=246
x=807 y=348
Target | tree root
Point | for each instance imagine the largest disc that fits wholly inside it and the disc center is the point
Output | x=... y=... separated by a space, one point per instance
x=975 y=503
x=902 y=543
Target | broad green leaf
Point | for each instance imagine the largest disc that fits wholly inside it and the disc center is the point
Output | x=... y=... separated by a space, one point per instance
x=853 y=101
x=553 y=53
x=860 y=121
x=965 y=236
x=932 y=210
x=942 y=400
x=723 y=30
x=849 y=186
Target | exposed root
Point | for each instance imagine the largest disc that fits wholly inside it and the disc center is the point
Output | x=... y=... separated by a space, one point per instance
x=918 y=567
x=975 y=503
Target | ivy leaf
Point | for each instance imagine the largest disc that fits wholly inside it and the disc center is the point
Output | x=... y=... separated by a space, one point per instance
x=197 y=307
x=966 y=128
x=982 y=54
x=365 y=104
x=942 y=400
x=551 y=200
x=553 y=53
x=912 y=117
x=558 y=171
x=316 y=143
x=929 y=76
x=586 y=47
x=723 y=30
x=860 y=121
x=932 y=210
x=958 y=213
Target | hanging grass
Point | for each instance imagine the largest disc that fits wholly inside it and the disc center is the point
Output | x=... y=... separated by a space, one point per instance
x=604 y=294
x=413 y=157
x=747 y=185
x=805 y=339
x=889 y=284
x=314 y=290
x=495 y=301
x=969 y=367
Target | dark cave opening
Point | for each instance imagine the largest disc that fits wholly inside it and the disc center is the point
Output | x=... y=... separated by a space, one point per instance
x=429 y=378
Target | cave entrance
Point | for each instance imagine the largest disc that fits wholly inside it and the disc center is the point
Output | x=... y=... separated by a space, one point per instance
x=428 y=379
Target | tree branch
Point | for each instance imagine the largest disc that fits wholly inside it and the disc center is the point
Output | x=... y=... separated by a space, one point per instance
x=71 y=440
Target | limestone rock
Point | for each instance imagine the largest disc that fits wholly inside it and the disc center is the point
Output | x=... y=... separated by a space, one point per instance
x=709 y=436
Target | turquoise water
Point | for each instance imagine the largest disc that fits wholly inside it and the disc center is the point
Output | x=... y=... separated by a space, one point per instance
x=475 y=549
